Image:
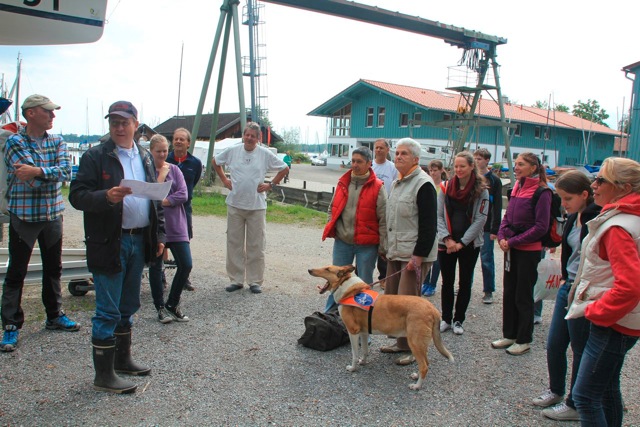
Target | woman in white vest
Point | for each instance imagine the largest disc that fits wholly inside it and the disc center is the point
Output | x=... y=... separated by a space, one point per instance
x=606 y=291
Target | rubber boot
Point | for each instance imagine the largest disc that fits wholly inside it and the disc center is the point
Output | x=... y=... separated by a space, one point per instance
x=106 y=379
x=123 y=363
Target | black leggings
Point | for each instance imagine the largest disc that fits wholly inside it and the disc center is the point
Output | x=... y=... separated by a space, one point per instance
x=517 y=307
x=466 y=258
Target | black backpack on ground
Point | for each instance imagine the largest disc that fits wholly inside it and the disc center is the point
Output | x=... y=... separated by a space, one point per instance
x=324 y=331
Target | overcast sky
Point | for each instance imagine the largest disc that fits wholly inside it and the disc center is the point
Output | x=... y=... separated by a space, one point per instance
x=570 y=50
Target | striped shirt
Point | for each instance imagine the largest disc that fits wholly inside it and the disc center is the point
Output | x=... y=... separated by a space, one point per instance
x=40 y=198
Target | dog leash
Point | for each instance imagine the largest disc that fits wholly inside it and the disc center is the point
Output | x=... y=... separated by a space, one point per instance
x=417 y=270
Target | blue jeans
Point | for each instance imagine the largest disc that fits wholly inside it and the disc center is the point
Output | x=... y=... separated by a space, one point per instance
x=365 y=256
x=488 y=264
x=118 y=295
x=182 y=254
x=433 y=274
x=597 y=389
x=562 y=333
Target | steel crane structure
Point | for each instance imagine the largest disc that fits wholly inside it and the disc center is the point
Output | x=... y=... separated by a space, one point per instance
x=479 y=56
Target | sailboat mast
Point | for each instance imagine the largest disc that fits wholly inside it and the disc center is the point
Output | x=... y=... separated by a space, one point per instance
x=17 y=86
x=180 y=80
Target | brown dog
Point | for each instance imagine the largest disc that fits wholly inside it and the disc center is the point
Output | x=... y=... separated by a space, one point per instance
x=394 y=315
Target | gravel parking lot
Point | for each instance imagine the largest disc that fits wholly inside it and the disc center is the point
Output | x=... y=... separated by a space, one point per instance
x=237 y=361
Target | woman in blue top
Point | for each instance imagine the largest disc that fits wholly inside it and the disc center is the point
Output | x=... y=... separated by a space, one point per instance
x=574 y=188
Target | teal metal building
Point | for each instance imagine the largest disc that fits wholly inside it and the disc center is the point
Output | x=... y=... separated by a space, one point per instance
x=368 y=110
x=633 y=149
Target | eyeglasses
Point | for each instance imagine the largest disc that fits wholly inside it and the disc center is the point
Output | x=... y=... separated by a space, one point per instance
x=119 y=123
x=600 y=180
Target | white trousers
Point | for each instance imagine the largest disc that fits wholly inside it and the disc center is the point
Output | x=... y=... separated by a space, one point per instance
x=246 y=244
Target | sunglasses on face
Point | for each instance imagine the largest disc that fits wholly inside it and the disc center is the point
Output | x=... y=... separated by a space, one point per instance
x=600 y=180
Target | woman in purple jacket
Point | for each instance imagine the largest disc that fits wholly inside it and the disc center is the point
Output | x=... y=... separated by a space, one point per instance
x=519 y=237
x=177 y=235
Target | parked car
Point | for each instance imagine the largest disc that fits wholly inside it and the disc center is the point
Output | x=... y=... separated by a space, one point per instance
x=318 y=161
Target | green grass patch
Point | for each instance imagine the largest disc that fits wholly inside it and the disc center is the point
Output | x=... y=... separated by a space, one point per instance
x=214 y=204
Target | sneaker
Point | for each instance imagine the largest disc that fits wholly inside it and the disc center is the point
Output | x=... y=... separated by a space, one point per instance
x=176 y=314
x=561 y=412
x=488 y=298
x=428 y=290
x=537 y=320
x=502 y=343
x=547 y=398
x=164 y=316
x=518 y=349
x=63 y=323
x=255 y=288
x=233 y=287
x=457 y=328
x=10 y=338
x=444 y=326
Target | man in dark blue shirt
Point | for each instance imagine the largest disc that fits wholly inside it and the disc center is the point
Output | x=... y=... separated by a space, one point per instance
x=191 y=168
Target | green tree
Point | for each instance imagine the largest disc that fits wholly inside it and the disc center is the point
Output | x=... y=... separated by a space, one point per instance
x=591 y=111
x=623 y=125
x=541 y=104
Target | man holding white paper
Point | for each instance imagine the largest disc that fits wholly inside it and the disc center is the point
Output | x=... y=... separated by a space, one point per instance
x=122 y=233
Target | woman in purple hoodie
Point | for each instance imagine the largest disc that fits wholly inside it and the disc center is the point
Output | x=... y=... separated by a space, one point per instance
x=521 y=230
x=175 y=223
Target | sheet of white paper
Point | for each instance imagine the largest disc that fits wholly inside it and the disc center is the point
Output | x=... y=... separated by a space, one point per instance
x=147 y=190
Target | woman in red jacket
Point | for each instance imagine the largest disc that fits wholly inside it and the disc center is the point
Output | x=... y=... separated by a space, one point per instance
x=607 y=293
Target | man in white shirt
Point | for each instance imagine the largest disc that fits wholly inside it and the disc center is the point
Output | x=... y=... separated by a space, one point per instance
x=387 y=172
x=247 y=206
x=382 y=165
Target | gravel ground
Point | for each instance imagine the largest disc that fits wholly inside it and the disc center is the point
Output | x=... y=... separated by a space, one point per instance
x=237 y=361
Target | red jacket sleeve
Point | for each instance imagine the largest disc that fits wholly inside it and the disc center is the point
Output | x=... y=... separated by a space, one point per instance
x=619 y=248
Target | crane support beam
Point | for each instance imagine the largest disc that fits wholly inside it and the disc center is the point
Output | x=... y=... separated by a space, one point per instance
x=456 y=36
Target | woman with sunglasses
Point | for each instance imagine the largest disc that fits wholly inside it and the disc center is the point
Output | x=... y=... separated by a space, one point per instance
x=519 y=237
x=607 y=293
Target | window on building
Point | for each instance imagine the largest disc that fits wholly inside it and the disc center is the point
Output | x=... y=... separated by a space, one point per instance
x=446 y=116
x=369 y=119
x=515 y=155
x=537 y=131
x=518 y=130
x=381 y=113
x=547 y=132
x=339 y=150
x=368 y=144
x=404 y=120
x=341 y=122
x=417 y=118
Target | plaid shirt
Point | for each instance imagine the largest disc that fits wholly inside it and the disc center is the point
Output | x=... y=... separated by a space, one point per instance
x=38 y=199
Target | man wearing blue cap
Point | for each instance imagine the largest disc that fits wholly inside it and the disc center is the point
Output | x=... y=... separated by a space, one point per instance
x=122 y=233
x=37 y=165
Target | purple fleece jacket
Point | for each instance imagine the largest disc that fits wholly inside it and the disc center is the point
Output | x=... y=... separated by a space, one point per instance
x=520 y=214
x=175 y=217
